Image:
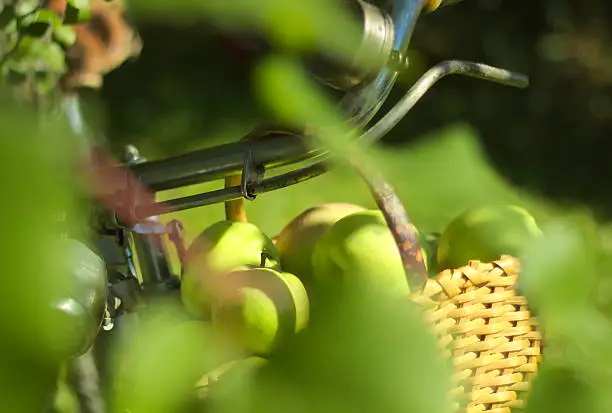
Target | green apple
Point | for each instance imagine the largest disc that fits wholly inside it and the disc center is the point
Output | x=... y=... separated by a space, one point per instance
x=485 y=233
x=296 y=241
x=260 y=308
x=220 y=248
x=360 y=250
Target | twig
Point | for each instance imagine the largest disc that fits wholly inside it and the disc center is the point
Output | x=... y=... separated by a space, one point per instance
x=399 y=224
x=83 y=377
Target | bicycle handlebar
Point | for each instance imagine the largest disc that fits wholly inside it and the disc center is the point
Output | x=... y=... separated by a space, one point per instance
x=217 y=162
x=359 y=106
x=317 y=168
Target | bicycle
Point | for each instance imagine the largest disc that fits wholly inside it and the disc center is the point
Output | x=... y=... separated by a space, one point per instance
x=133 y=229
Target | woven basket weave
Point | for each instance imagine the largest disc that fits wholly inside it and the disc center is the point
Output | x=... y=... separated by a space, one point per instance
x=489 y=332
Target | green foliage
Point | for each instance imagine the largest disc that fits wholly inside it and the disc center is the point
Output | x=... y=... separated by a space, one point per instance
x=560 y=278
x=158 y=363
x=33 y=41
x=304 y=26
x=354 y=358
x=77 y=11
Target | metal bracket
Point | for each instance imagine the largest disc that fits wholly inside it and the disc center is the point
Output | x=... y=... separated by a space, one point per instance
x=252 y=175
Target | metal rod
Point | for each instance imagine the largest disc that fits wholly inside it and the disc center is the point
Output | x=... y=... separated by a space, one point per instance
x=147 y=237
x=233 y=192
x=219 y=162
x=361 y=104
x=430 y=78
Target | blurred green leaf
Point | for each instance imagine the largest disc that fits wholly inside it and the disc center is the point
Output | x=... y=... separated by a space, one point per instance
x=158 y=363
x=444 y=174
x=81 y=5
x=45 y=81
x=39 y=16
x=286 y=89
x=561 y=390
x=358 y=355
x=6 y=15
x=65 y=35
x=559 y=271
x=39 y=53
x=320 y=25
x=36 y=29
x=559 y=276
x=77 y=11
x=38 y=23
x=38 y=187
x=24 y=7
x=14 y=77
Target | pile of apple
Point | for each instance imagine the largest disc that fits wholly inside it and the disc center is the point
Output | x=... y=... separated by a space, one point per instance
x=256 y=291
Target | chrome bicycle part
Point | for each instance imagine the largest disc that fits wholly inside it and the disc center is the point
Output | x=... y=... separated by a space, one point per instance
x=362 y=103
x=371 y=54
x=431 y=77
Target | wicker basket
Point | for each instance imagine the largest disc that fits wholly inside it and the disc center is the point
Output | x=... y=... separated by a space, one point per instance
x=489 y=332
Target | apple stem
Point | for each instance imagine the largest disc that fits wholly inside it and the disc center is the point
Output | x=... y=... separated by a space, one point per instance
x=264 y=258
x=400 y=225
x=235 y=210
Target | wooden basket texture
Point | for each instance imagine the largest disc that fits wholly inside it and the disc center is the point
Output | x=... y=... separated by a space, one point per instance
x=488 y=330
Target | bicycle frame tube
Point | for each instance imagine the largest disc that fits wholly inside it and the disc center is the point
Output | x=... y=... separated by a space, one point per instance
x=147 y=238
x=152 y=257
x=151 y=252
